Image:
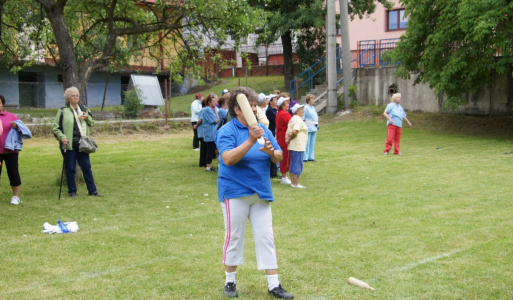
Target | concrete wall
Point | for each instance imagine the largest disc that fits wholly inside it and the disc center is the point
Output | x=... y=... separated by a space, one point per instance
x=373 y=85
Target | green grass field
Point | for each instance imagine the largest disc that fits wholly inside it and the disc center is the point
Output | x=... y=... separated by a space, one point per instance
x=434 y=223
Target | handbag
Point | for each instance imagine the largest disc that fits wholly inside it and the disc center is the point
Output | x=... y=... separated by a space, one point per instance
x=86 y=144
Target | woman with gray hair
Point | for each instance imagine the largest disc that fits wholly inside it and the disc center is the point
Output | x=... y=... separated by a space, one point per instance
x=67 y=131
x=395 y=114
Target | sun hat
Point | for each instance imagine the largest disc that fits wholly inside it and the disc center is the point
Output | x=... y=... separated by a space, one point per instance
x=296 y=107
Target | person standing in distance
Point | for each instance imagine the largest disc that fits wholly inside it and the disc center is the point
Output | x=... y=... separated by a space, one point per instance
x=195 y=110
x=395 y=114
x=244 y=190
x=312 y=121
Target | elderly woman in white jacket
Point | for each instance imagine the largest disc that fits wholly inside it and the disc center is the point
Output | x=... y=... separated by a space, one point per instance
x=312 y=121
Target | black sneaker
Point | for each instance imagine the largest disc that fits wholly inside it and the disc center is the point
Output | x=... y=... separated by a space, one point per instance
x=230 y=290
x=73 y=195
x=280 y=292
x=211 y=170
x=96 y=194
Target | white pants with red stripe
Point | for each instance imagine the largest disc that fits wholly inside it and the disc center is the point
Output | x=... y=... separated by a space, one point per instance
x=236 y=212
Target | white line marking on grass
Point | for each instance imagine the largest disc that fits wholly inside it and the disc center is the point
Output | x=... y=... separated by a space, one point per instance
x=427 y=260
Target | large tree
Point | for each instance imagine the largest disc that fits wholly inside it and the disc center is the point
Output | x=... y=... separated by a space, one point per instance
x=85 y=35
x=456 y=45
x=302 y=21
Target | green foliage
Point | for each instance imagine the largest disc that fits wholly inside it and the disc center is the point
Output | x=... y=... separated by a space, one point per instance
x=133 y=102
x=454 y=45
x=352 y=91
x=111 y=34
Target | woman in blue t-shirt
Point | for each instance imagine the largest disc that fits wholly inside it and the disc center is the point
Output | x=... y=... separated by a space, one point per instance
x=210 y=120
x=395 y=114
x=244 y=190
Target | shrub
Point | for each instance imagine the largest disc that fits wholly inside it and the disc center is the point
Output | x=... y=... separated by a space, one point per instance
x=133 y=103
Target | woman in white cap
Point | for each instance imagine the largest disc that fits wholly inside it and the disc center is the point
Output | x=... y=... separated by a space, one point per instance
x=282 y=120
x=296 y=139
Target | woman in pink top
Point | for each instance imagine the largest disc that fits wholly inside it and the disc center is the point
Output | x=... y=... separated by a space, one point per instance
x=8 y=156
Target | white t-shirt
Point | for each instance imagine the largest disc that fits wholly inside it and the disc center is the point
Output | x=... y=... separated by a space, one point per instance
x=195 y=109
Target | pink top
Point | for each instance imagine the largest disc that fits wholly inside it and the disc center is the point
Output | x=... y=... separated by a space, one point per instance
x=6 y=118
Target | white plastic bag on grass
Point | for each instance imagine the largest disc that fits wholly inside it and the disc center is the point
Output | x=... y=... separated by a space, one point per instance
x=48 y=228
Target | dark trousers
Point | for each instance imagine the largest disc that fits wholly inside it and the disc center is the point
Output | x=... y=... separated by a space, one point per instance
x=274 y=170
x=203 y=153
x=195 y=140
x=211 y=152
x=71 y=157
x=11 y=164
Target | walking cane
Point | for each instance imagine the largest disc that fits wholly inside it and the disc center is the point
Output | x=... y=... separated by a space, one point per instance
x=62 y=173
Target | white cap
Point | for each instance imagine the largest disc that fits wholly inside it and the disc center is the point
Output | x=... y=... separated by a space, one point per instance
x=225 y=91
x=296 y=107
x=281 y=100
x=271 y=96
x=261 y=97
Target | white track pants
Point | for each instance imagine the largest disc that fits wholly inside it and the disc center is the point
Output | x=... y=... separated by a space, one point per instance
x=236 y=211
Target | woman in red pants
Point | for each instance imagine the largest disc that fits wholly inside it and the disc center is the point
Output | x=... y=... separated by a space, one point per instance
x=395 y=114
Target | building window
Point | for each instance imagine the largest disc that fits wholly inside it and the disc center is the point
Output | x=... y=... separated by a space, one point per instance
x=397 y=20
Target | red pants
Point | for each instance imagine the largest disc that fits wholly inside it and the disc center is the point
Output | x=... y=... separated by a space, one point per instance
x=393 y=137
x=285 y=163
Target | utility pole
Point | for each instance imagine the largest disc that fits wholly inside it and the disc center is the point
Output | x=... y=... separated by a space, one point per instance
x=346 y=51
x=331 y=57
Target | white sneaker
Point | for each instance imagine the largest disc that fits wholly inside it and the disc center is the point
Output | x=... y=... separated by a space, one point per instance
x=298 y=186
x=285 y=180
x=15 y=200
x=196 y=149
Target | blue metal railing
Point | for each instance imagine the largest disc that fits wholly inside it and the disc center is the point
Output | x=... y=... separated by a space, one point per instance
x=312 y=73
x=367 y=53
x=386 y=45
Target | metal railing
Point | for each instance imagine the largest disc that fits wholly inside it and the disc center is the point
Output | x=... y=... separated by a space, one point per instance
x=372 y=53
x=317 y=71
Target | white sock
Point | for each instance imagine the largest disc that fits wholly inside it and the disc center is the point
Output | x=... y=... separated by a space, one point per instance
x=230 y=277
x=272 y=281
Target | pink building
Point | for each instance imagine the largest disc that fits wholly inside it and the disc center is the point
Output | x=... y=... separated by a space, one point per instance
x=382 y=24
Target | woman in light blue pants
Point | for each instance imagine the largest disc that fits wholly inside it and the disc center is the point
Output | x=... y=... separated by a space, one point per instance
x=312 y=121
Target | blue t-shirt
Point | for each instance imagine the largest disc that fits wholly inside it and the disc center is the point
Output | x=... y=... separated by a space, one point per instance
x=397 y=113
x=222 y=113
x=200 y=128
x=251 y=174
x=209 y=124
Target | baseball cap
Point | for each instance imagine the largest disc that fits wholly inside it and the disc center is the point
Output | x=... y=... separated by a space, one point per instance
x=271 y=96
x=261 y=97
x=296 y=107
x=225 y=91
x=281 y=100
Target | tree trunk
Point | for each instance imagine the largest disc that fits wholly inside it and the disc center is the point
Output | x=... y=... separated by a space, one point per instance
x=68 y=62
x=288 y=66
